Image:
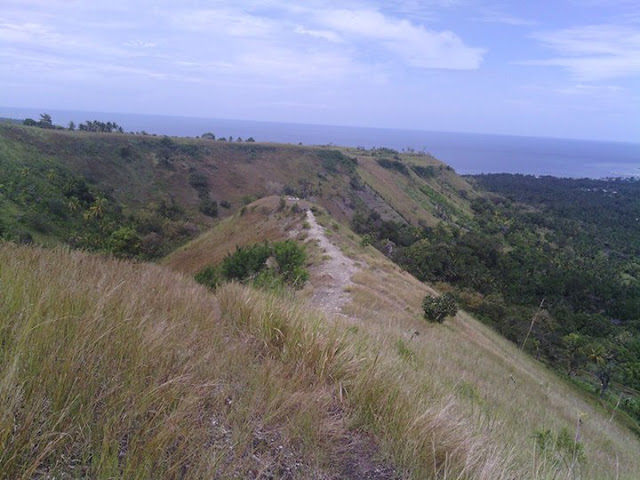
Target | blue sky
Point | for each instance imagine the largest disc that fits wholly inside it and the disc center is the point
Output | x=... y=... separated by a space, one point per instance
x=563 y=68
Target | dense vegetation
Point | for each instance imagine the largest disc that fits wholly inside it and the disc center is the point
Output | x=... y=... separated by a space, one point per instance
x=44 y=199
x=250 y=264
x=550 y=263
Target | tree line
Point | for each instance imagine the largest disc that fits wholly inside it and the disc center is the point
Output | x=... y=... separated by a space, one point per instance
x=88 y=126
x=552 y=264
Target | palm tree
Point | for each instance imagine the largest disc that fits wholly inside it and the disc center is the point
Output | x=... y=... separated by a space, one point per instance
x=97 y=210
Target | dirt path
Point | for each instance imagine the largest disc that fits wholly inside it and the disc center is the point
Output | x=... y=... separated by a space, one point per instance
x=334 y=272
x=356 y=453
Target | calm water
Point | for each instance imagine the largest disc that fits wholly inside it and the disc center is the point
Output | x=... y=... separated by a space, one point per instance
x=467 y=153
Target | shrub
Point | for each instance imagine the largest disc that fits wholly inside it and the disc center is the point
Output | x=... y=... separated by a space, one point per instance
x=249 y=264
x=210 y=276
x=393 y=165
x=562 y=450
x=209 y=207
x=289 y=256
x=199 y=182
x=335 y=161
x=245 y=262
x=438 y=309
x=125 y=242
x=424 y=172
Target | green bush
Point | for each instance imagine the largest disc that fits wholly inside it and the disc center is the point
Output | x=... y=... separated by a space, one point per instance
x=393 y=165
x=125 y=242
x=425 y=172
x=209 y=207
x=210 y=276
x=289 y=255
x=249 y=264
x=246 y=262
x=199 y=181
x=438 y=309
x=563 y=450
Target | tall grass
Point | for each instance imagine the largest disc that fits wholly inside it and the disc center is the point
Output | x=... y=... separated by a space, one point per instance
x=110 y=369
x=117 y=370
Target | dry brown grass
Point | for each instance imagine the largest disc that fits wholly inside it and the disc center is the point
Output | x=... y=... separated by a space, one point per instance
x=111 y=369
x=115 y=370
x=263 y=220
x=483 y=381
x=403 y=194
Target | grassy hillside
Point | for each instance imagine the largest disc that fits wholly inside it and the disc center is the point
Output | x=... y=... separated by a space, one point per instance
x=481 y=386
x=112 y=369
x=117 y=369
x=80 y=187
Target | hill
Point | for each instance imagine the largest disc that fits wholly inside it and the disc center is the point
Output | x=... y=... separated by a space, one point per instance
x=396 y=395
x=130 y=370
x=81 y=187
x=505 y=397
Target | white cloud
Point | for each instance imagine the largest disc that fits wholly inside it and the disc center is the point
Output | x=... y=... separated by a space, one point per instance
x=591 y=90
x=414 y=44
x=139 y=44
x=594 y=52
x=495 y=17
x=227 y=21
x=323 y=34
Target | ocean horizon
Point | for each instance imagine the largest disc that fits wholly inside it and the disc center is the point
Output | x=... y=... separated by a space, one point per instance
x=467 y=153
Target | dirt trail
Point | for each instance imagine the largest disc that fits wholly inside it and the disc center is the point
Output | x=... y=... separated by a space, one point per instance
x=334 y=272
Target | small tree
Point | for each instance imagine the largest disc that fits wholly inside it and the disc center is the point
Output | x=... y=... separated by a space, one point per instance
x=438 y=309
x=45 y=121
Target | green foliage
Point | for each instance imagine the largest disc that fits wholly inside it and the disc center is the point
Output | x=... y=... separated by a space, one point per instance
x=167 y=142
x=250 y=264
x=98 y=126
x=335 y=161
x=404 y=351
x=564 y=451
x=208 y=207
x=438 y=309
x=210 y=276
x=247 y=199
x=396 y=165
x=424 y=172
x=289 y=256
x=125 y=242
x=382 y=231
x=366 y=240
x=245 y=262
x=385 y=151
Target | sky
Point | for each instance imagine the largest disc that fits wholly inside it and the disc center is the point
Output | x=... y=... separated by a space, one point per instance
x=559 y=68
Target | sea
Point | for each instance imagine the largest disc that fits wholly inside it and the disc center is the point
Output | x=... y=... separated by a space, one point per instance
x=467 y=153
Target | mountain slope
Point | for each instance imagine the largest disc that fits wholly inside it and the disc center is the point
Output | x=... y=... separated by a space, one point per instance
x=146 y=182
x=462 y=377
x=421 y=400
